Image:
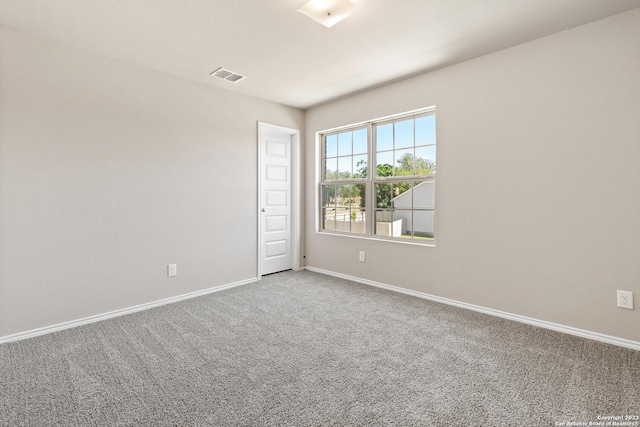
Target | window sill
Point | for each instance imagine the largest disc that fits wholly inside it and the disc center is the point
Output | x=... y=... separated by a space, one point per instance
x=401 y=241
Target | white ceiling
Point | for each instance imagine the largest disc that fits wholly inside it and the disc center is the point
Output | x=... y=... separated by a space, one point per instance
x=289 y=58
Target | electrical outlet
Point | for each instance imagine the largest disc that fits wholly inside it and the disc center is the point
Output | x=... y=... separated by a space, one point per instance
x=172 y=270
x=625 y=299
x=362 y=256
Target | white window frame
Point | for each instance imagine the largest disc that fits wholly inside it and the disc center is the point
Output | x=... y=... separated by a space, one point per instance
x=371 y=180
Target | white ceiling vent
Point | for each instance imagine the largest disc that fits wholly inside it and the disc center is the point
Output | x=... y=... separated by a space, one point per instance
x=230 y=76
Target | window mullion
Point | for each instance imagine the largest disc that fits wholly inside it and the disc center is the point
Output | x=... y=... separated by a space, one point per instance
x=370 y=206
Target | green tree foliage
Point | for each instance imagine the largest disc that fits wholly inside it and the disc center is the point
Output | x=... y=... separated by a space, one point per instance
x=328 y=194
x=346 y=193
x=408 y=165
x=383 y=190
x=362 y=169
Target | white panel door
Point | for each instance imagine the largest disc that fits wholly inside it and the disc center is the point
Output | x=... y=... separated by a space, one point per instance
x=275 y=199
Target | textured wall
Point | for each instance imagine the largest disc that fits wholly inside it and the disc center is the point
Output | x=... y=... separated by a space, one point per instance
x=108 y=172
x=538 y=177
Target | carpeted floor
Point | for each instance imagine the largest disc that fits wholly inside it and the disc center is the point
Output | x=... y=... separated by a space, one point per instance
x=305 y=349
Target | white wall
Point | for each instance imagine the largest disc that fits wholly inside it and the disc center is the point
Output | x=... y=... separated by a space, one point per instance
x=538 y=200
x=108 y=172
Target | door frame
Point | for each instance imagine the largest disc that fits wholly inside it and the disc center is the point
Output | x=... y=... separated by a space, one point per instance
x=296 y=178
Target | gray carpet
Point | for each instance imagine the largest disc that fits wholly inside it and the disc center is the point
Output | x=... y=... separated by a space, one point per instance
x=304 y=349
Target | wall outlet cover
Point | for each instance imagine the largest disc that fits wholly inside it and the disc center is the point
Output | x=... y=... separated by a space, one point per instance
x=625 y=299
x=172 y=270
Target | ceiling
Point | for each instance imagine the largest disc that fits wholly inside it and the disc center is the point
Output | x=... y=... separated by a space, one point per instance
x=287 y=57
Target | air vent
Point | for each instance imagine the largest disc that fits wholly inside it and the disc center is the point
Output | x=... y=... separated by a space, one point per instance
x=227 y=75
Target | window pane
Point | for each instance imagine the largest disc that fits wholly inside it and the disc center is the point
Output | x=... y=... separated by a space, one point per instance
x=426 y=160
x=360 y=166
x=387 y=225
x=359 y=193
x=384 y=195
x=402 y=195
x=328 y=219
x=344 y=167
x=403 y=134
x=343 y=198
x=423 y=195
x=423 y=224
x=328 y=195
x=426 y=130
x=402 y=218
x=357 y=221
x=404 y=162
x=344 y=143
x=331 y=145
x=331 y=168
x=360 y=141
x=384 y=137
x=384 y=163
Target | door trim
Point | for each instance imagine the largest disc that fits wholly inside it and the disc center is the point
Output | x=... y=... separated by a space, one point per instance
x=296 y=178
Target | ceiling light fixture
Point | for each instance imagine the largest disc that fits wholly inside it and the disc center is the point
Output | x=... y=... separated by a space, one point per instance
x=328 y=12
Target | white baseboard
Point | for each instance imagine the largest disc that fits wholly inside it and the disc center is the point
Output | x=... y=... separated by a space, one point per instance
x=91 y=319
x=634 y=345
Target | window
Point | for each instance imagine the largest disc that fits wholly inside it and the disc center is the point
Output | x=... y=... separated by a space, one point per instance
x=344 y=180
x=400 y=193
